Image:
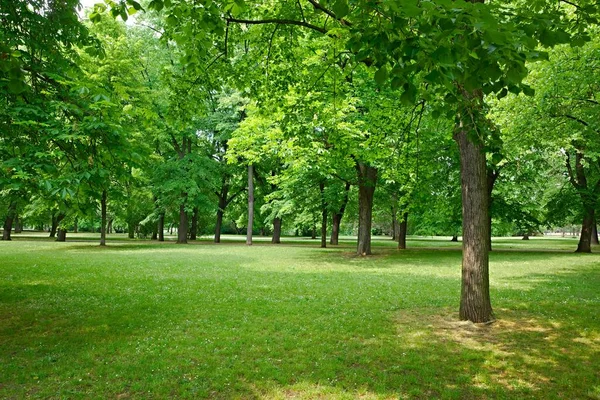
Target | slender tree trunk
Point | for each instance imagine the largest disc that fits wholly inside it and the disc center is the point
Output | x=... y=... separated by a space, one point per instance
x=595 y=231
x=18 y=224
x=454 y=238
x=54 y=226
x=337 y=217
x=194 y=228
x=75 y=225
x=403 y=228
x=492 y=176
x=475 y=303
x=585 y=239
x=130 y=230
x=61 y=235
x=103 y=218
x=109 y=226
x=323 y=215
x=161 y=227
x=250 y=204
x=8 y=221
x=276 y=231
x=367 y=179
x=182 y=230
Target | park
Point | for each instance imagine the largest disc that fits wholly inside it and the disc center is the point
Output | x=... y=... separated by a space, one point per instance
x=303 y=199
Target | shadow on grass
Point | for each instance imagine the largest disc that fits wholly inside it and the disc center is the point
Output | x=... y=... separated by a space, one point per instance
x=236 y=333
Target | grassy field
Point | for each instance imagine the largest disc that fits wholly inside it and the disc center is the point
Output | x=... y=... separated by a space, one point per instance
x=146 y=320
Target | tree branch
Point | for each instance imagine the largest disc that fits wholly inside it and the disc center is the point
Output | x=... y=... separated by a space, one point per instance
x=278 y=21
x=319 y=7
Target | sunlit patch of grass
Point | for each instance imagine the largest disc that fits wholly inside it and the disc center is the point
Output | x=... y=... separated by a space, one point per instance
x=148 y=320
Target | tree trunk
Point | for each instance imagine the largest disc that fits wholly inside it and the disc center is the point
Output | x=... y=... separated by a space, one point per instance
x=61 y=235
x=103 y=218
x=18 y=224
x=337 y=218
x=109 y=226
x=183 y=225
x=323 y=215
x=402 y=230
x=8 y=222
x=367 y=179
x=585 y=239
x=250 y=204
x=525 y=237
x=492 y=175
x=130 y=230
x=194 y=228
x=276 y=231
x=75 y=225
x=161 y=227
x=475 y=303
x=454 y=238
x=595 y=232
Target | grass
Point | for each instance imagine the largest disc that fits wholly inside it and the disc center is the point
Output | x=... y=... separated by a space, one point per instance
x=140 y=320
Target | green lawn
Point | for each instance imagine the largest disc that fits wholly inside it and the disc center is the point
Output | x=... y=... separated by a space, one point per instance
x=141 y=320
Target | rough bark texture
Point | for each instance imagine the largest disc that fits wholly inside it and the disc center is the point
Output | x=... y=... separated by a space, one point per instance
x=250 y=205
x=61 y=235
x=475 y=304
x=194 y=227
x=182 y=230
x=8 y=221
x=103 y=218
x=367 y=179
x=585 y=239
x=161 y=227
x=402 y=230
x=276 y=239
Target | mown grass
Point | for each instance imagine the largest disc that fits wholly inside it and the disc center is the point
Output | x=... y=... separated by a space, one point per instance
x=141 y=320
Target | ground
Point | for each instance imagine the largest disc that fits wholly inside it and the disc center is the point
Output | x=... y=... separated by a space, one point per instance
x=146 y=320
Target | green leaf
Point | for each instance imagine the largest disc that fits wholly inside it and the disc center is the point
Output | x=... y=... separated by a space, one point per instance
x=340 y=8
x=381 y=75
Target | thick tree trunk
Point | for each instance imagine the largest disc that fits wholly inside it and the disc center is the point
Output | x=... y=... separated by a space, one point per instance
x=103 y=218
x=61 y=235
x=367 y=179
x=585 y=239
x=56 y=220
x=218 y=225
x=194 y=227
x=250 y=204
x=595 y=232
x=8 y=221
x=182 y=230
x=161 y=227
x=475 y=303
x=402 y=230
x=525 y=237
x=276 y=239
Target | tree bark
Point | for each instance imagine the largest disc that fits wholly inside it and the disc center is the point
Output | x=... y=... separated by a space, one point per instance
x=454 y=238
x=56 y=220
x=402 y=230
x=194 y=227
x=61 y=235
x=595 y=232
x=103 y=218
x=276 y=231
x=367 y=179
x=18 y=225
x=182 y=230
x=130 y=230
x=250 y=204
x=161 y=227
x=337 y=218
x=585 y=239
x=475 y=303
x=109 y=226
x=8 y=222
